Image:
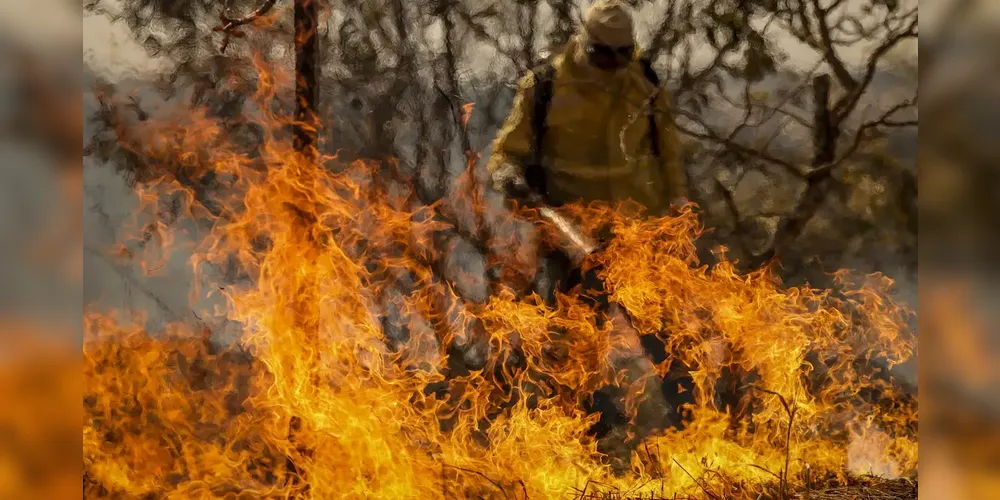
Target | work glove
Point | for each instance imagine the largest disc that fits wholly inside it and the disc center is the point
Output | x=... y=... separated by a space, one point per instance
x=509 y=180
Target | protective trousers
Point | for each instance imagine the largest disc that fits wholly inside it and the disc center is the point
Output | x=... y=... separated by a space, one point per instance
x=636 y=406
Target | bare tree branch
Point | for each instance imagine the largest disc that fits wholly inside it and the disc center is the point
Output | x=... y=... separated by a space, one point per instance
x=847 y=104
x=712 y=136
x=229 y=24
x=829 y=51
x=885 y=120
x=667 y=33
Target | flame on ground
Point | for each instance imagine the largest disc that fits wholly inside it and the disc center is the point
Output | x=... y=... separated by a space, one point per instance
x=344 y=383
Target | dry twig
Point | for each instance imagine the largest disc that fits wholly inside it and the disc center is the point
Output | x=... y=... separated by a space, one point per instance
x=790 y=409
x=480 y=474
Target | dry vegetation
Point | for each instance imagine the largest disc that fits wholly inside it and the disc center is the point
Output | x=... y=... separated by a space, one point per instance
x=800 y=161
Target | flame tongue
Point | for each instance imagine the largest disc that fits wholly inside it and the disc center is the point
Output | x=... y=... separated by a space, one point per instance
x=348 y=384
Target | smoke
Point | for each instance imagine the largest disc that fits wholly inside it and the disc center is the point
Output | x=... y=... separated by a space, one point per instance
x=866 y=453
x=158 y=287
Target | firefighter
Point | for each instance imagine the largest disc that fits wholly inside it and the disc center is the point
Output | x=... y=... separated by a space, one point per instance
x=593 y=124
x=608 y=131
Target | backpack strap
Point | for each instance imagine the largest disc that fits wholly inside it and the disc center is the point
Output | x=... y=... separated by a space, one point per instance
x=654 y=131
x=647 y=69
x=544 y=75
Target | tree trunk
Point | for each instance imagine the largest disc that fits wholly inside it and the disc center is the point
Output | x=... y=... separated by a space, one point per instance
x=306 y=42
x=820 y=183
x=825 y=131
x=305 y=143
x=304 y=137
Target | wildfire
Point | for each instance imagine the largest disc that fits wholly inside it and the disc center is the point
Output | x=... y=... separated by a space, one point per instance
x=344 y=386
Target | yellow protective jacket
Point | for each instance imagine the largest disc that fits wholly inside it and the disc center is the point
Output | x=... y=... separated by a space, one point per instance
x=597 y=146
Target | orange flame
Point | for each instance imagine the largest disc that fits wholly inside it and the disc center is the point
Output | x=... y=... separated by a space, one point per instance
x=343 y=384
x=467 y=113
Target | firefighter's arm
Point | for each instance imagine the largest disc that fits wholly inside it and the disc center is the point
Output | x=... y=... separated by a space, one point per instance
x=513 y=143
x=671 y=162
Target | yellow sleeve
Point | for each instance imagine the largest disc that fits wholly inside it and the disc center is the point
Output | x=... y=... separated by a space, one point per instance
x=673 y=171
x=513 y=143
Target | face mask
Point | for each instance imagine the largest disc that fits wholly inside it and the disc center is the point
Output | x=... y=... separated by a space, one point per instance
x=609 y=58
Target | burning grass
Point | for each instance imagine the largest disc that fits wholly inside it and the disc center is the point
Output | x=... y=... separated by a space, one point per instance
x=863 y=488
x=345 y=382
x=189 y=410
